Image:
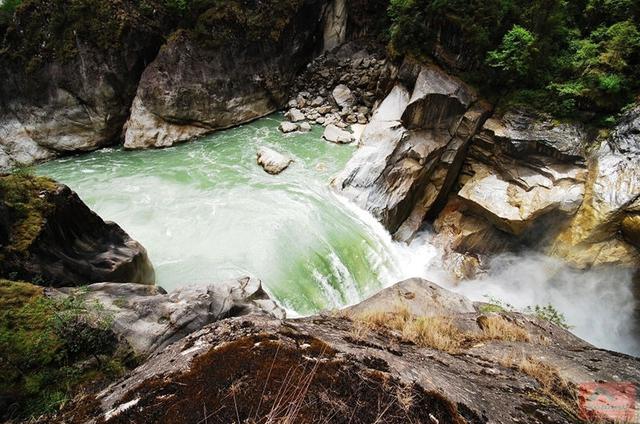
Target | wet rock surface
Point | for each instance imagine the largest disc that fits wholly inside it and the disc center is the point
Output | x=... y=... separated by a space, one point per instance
x=329 y=366
x=68 y=244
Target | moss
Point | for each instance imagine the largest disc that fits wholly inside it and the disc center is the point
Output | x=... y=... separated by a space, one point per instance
x=52 y=30
x=225 y=22
x=24 y=200
x=50 y=348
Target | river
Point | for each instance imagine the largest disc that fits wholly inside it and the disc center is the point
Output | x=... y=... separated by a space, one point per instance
x=206 y=212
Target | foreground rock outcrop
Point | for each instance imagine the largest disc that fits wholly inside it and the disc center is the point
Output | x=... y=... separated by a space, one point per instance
x=149 y=319
x=49 y=236
x=386 y=359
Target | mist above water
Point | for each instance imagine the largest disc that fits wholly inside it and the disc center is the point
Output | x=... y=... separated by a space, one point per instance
x=599 y=304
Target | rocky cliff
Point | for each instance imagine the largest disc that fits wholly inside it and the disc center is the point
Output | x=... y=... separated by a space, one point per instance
x=201 y=82
x=435 y=153
x=69 y=74
x=49 y=236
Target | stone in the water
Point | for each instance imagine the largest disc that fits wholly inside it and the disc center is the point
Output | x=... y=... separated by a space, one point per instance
x=343 y=96
x=272 y=161
x=295 y=115
x=305 y=127
x=336 y=135
x=287 y=127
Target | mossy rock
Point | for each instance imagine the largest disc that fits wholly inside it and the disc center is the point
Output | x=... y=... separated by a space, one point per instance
x=24 y=203
x=50 y=347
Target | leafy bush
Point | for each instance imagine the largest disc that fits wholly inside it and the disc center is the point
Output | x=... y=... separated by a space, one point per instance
x=49 y=347
x=576 y=59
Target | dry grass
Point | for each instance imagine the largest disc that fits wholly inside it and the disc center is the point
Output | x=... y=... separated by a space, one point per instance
x=436 y=332
x=497 y=328
x=551 y=384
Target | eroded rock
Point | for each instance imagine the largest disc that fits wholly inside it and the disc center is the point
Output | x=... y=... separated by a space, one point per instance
x=150 y=319
x=411 y=151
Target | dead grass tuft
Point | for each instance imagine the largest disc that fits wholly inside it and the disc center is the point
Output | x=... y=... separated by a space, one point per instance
x=497 y=328
x=436 y=332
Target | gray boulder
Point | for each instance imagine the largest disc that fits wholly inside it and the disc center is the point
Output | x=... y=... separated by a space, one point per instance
x=150 y=319
x=335 y=134
x=271 y=161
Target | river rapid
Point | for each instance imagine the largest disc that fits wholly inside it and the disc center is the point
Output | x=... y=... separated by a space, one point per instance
x=206 y=212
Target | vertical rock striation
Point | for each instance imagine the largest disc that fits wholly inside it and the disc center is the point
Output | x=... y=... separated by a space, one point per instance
x=413 y=148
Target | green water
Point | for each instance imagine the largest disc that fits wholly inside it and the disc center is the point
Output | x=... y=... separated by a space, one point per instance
x=207 y=212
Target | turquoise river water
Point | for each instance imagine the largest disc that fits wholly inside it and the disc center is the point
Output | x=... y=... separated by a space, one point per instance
x=206 y=212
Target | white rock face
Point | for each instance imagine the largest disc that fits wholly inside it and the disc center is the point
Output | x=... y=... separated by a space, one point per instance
x=145 y=130
x=343 y=96
x=295 y=115
x=337 y=135
x=398 y=172
x=514 y=206
x=271 y=161
x=287 y=127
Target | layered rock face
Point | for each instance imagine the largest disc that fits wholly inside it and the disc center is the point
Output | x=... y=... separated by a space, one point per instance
x=195 y=86
x=360 y=366
x=413 y=148
x=76 y=96
x=605 y=229
x=49 y=236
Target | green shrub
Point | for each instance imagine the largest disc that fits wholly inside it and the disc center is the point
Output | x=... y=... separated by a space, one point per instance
x=575 y=59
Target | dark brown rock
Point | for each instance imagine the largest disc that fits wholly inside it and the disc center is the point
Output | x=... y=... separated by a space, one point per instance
x=63 y=243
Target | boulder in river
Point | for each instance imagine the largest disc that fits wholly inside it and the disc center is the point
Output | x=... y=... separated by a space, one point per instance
x=287 y=127
x=49 y=236
x=391 y=357
x=294 y=115
x=271 y=161
x=335 y=134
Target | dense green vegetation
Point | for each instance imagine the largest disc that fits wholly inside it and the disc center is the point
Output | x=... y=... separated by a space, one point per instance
x=567 y=57
x=50 y=347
